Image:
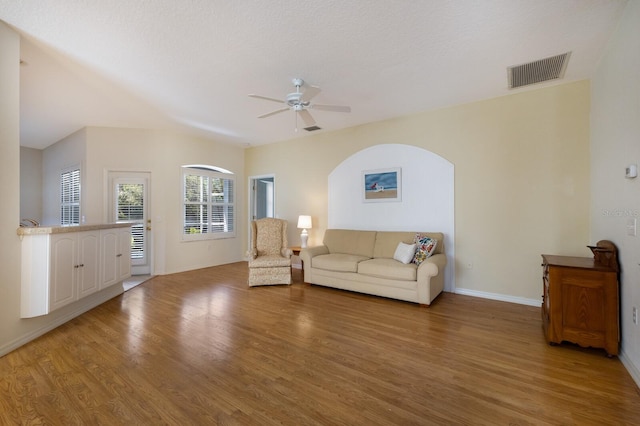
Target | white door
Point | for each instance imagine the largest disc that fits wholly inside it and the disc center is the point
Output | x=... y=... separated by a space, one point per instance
x=130 y=201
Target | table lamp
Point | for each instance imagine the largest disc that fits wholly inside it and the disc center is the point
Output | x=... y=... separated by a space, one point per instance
x=304 y=223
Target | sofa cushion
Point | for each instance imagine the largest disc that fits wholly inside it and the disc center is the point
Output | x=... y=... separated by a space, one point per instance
x=387 y=242
x=404 y=252
x=426 y=246
x=339 y=262
x=348 y=241
x=388 y=268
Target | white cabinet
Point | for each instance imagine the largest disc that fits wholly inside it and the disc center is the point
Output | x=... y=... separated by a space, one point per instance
x=61 y=267
x=116 y=255
x=88 y=263
x=74 y=262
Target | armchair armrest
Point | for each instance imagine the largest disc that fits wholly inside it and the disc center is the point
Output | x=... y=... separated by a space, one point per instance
x=251 y=254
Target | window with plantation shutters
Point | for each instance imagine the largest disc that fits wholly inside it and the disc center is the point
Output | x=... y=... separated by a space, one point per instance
x=209 y=203
x=70 y=197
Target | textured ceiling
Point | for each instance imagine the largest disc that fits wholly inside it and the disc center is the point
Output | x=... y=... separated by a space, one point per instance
x=190 y=64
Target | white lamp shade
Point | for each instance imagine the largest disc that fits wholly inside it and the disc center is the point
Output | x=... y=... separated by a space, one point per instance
x=304 y=222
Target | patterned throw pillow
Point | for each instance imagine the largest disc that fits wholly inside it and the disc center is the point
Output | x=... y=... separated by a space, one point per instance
x=425 y=246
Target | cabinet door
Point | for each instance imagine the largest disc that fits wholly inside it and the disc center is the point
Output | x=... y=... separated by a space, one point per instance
x=124 y=253
x=88 y=262
x=63 y=270
x=110 y=250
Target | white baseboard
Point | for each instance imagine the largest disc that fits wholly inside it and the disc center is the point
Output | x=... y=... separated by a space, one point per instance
x=631 y=367
x=79 y=308
x=500 y=297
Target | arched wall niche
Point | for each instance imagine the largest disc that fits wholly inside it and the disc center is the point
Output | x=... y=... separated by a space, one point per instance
x=426 y=201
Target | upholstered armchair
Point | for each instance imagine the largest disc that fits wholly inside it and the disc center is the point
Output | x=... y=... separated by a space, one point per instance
x=269 y=254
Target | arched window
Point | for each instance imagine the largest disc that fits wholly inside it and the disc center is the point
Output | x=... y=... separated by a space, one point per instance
x=208 y=203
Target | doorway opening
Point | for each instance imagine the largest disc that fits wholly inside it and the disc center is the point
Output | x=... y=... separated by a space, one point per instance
x=262 y=190
x=262 y=202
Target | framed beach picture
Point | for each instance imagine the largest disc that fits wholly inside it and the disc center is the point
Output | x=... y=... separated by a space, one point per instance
x=381 y=185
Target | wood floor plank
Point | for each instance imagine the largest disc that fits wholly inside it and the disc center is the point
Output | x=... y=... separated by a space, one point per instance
x=201 y=347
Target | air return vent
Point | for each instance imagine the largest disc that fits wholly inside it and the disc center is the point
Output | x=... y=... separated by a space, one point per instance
x=312 y=128
x=538 y=71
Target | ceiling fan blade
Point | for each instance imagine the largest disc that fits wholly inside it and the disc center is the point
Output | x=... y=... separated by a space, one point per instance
x=280 y=101
x=269 y=114
x=334 y=108
x=310 y=93
x=307 y=118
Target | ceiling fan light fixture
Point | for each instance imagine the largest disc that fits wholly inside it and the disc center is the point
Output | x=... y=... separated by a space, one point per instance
x=300 y=103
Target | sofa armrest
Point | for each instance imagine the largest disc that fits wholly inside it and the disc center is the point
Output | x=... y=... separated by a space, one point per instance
x=308 y=253
x=431 y=278
x=433 y=265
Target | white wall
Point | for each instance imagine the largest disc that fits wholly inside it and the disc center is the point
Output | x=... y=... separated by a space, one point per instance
x=615 y=143
x=31 y=183
x=426 y=201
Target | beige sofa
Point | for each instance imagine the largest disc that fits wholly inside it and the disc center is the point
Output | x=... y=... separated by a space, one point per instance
x=363 y=261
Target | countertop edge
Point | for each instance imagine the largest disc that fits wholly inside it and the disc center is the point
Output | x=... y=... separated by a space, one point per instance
x=45 y=230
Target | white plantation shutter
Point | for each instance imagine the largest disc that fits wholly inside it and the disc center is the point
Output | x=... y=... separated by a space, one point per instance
x=131 y=209
x=70 y=197
x=209 y=204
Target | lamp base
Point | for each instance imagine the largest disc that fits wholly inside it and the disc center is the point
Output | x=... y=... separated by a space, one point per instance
x=304 y=236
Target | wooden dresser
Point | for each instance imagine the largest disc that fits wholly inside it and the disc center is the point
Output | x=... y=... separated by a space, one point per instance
x=580 y=301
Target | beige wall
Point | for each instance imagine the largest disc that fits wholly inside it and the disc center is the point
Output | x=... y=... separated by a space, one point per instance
x=69 y=152
x=162 y=154
x=31 y=183
x=15 y=331
x=615 y=134
x=10 y=325
x=521 y=180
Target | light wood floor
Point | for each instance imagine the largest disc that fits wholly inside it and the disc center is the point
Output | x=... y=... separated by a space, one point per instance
x=202 y=348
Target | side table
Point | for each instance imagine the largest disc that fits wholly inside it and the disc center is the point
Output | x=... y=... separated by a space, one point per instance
x=296 y=251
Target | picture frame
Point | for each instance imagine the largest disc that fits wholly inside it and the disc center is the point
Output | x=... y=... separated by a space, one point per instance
x=382 y=185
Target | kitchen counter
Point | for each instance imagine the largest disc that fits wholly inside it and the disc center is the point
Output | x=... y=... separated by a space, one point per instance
x=44 y=230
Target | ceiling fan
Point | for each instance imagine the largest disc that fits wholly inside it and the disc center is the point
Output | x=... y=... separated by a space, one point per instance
x=300 y=102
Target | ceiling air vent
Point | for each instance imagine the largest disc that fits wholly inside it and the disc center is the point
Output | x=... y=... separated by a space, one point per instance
x=312 y=128
x=538 y=71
